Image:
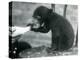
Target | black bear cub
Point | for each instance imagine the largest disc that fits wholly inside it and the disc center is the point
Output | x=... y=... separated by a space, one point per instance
x=61 y=29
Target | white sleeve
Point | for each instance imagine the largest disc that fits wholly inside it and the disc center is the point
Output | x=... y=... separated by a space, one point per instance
x=20 y=30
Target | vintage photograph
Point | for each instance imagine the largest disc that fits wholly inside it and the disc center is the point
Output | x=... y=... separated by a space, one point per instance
x=42 y=30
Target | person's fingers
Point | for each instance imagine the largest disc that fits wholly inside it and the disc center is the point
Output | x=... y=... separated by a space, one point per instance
x=13 y=29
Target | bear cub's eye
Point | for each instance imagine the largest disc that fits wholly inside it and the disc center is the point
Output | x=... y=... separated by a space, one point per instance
x=38 y=17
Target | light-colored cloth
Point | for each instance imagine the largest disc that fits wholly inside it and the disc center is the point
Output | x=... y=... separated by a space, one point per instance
x=19 y=30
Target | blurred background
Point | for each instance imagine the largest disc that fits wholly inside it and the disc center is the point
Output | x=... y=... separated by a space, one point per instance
x=22 y=11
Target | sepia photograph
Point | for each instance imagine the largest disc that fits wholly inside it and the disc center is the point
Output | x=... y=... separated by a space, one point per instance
x=42 y=30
